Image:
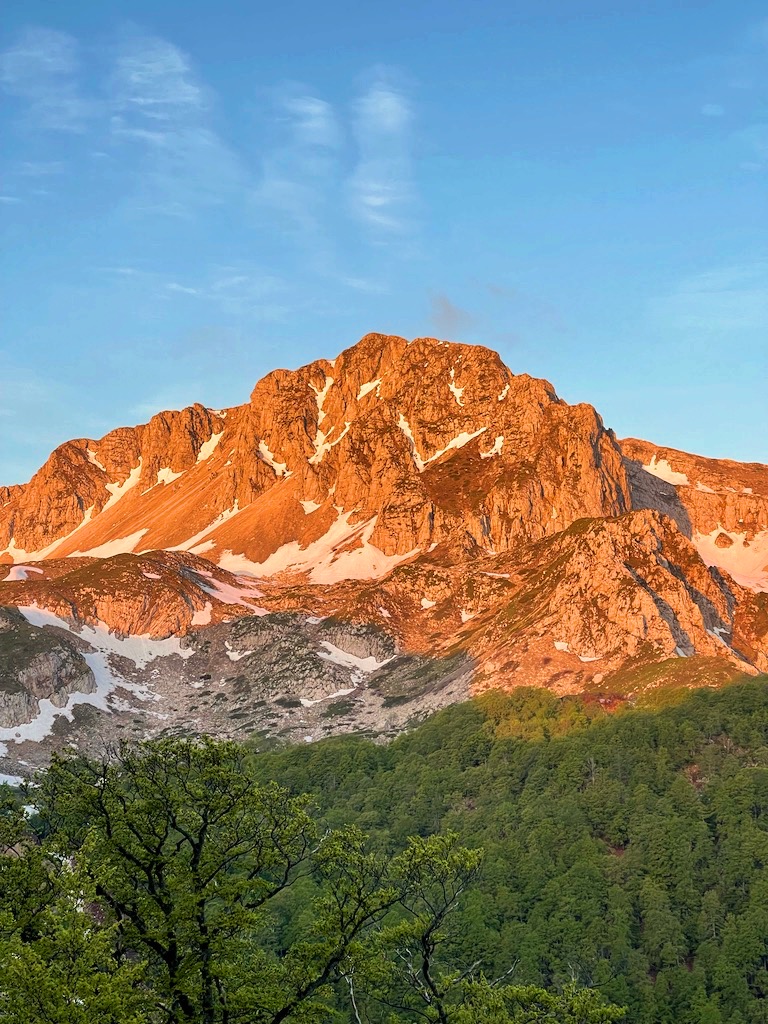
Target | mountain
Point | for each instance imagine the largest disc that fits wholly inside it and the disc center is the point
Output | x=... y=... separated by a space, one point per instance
x=364 y=540
x=414 y=443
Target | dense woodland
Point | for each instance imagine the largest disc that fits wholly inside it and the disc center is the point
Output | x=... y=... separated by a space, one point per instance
x=515 y=858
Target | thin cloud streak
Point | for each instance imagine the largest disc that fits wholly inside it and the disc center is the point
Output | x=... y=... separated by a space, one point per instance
x=239 y=291
x=300 y=174
x=160 y=108
x=40 y=70
x=381 y=186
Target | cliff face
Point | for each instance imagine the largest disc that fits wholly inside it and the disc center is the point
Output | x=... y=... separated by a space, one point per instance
x=722 y=505
x=34 y=667
x=455 y=526
x=418 y=441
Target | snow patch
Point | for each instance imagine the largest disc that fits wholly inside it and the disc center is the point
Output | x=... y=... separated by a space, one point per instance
x=716 y=633
x=496 y=450
x=94 y=460
x=20 y=573
x=237 y=655
x=663 y=470
x=323 y=445
x=457 y=442
x=207 y=449
x=200 y=549
x=503 y=393
x=307 y=702
x=202 y=617
x=118 y=546
x=193 y=543
x=455 y=391
x=745 y=560
x=309 y=507
x=167 y=476
x=466 y=616
x=346 y=660
x=321 y=395
x=227 y=593
x=345 y=552
x=561 y=645
x=426 y=603
x=152 y=575
x=367 y=388
x=384 y=613
x=266 y=455
x=703 y=487
x=118 y=491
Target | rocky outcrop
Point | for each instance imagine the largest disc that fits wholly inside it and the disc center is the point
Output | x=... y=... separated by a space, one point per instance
x=84 y=479
x=35 y=666
x=159 y=594
x=722 y=505
x=709 y=493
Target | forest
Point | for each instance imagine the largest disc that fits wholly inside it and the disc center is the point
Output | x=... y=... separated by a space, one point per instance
x=519 y=857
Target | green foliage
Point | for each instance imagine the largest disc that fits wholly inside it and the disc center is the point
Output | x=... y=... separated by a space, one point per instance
x=625 y=852
x=172 y=887
x=623 y=865
x=55 y=966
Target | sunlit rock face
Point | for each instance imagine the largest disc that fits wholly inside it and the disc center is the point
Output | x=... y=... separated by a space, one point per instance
x=418 y=441
x=364 y=540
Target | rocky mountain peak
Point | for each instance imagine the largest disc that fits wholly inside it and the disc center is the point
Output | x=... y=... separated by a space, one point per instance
x=389 y=530
x=411 y=441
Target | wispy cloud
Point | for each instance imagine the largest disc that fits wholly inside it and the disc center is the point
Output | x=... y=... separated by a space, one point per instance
x=41 y=168
x=174 y=286
x=327 y=179
x=299 y=174
x=153 y=79
x=314 y=121
x=741 y=77
x=121 y=271
x=240 y=290
x=381 y=187
x=160 y=108
x=41 y=70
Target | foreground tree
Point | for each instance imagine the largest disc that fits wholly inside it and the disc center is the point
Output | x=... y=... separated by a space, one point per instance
x=172 y=888
x=57 y=966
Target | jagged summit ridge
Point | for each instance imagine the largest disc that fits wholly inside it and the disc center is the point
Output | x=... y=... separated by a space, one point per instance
x=391 y=447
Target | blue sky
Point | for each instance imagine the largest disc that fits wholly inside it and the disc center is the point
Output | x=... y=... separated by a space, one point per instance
x=196 y=193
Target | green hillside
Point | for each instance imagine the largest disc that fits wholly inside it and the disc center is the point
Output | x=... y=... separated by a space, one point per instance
x=626 y=852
